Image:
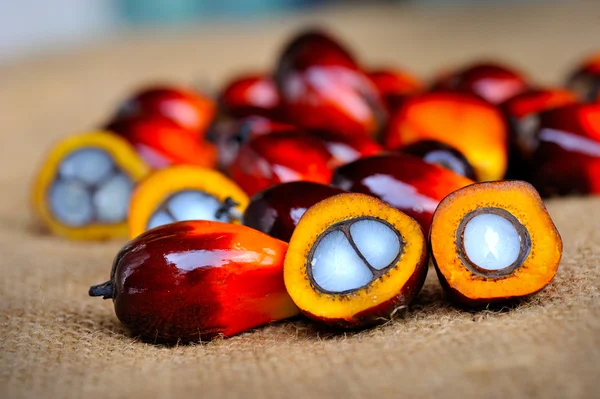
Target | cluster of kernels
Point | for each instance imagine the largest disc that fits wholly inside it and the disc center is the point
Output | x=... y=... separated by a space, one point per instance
x=350 y=255
x=89 y=188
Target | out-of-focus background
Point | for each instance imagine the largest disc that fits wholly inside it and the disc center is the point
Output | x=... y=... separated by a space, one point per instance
x=29 y=27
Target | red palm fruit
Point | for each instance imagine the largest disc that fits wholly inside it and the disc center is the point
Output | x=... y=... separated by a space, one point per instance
x=161 y=142
x=187 y=108
x=194 y=280
x=567 y=160
x=474 y=127
x=250 y=95
x=230 y=134
x=394 y=85
x=277 y=210
x=278 y=158
x=491 y=81
x=322 y=88
x=406 y=182
x=522 y=114
x=345 y=148
x=585 y=80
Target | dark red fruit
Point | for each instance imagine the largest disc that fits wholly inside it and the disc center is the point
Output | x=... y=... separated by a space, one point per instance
x=523 y=118
x=277 y=210
x=491 y=81
x=585 y=81
x=432 y=151
x=251 y=95
x=194 y=280
x=406 y=182
x=567 y=160
x=187 y=108
x=278 y=158
x=394 y=86
x=230 y=134
x=322 y=88
x=161 y=142
x=345 y=148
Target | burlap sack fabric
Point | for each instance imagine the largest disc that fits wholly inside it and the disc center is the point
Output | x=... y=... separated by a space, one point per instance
x=57 y=342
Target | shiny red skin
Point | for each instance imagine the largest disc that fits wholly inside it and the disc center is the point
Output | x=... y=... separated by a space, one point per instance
x=345 y=149
x=251 y=95
x=585 y=81
x=230 y=134
x=394 y=86
x=277 y=210
x=567 y=160
x=187 y=108
x=522 y=113
x=194 y=280
x=406 y=182
x=278 y=158
x=161 y=142
x=493 y=82
x=441 y=154
x=322 y=88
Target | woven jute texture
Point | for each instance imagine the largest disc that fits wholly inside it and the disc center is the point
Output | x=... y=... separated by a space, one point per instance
x=55 y=341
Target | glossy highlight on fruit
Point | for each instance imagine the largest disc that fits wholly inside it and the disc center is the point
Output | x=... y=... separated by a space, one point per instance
x=353 y=260
x=585 y=81
x=406 y=182
x=183 y=106
x=277 y=210
x=394 y=85
x=251 y=95
x=83 y=187
x=345 y=149
x=278 y=158
x=184 y=192
x=441 y=154
x=491 y=81
x=322 y=88
x=472 y=126
x=493 y=242
x=567 y=160
x=523 y=119
x=161 y=142
x=195 y=280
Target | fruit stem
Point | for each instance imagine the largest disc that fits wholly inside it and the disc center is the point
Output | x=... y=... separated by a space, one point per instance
x=105 y=290
x=228 y=208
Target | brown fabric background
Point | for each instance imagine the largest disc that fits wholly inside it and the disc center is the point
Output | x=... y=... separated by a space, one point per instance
x=57 y=342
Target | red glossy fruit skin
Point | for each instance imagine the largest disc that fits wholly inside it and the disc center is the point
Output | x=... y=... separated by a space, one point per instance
x=322 y=88
x=161 y=142
x=277 y=210
x=567 y=160
x=188 y=109
x=230 y=135
x=491 y=81
x=406 y=182
x=278 y=158
x=251 y=95
x=522 y=113
x=441 y=154
x=394 y=86
x=345 y=149
x=585 y=81
x=194 y=280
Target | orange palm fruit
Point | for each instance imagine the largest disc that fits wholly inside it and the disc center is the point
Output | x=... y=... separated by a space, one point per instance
x=195 y=280
x=585 y=80
x=474 y=127
x=83 y=186
x=492 y=242
x=184 y=192
x=353 y=260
